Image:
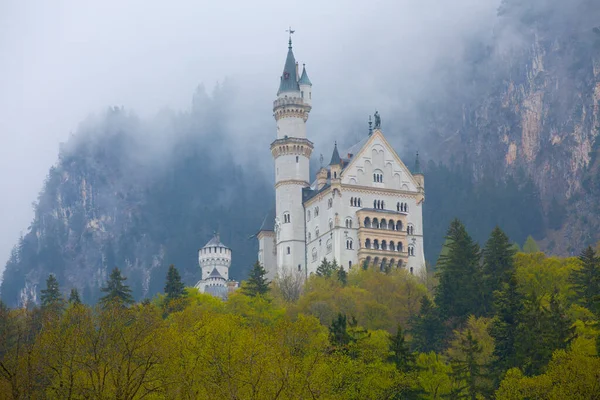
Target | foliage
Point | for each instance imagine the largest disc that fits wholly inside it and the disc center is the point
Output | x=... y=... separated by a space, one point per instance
x=174 y=288
x=51 y=297
x=530 y=246
x=428 y=329
x=117 y=293
x=586 y=280
x=327 y=268
x=400 y=353
x=498 y=266
x=459 y=292
x=74 y=296
x=257 y=283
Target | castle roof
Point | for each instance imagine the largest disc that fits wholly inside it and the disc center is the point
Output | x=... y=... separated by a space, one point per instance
x=289 y=78
x=268 y=223
x=304 y=78
x=215 y=241
x=215 y=274
x=335 y=157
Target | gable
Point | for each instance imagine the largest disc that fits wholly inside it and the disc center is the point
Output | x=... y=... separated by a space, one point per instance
x=377 y=157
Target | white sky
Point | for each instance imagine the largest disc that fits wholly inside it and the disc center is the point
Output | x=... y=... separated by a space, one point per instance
x=63 y=60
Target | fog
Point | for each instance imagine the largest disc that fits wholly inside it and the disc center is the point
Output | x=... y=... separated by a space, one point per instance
x=64 y=60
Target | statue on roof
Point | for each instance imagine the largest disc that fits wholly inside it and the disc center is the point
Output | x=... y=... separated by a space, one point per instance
x=377 y=120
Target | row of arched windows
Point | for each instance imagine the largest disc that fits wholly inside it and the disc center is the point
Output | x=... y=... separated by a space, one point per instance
x=384 y=264
x=383 y=224
x=384 y=245
x=355 y=202
x=378 y=204
x=402 y=207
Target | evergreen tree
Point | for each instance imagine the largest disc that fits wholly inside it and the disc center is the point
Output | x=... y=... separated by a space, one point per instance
x=256 y=284
x=338 y=332
x=326 y=268
x=51 y=296
x=459 y=292
x=467 y=371
x=530 y=246
x=342 y=276
x=400 y=354
x=427 y=328
x=586 y=280
x=498 y=266
x=174 y=288
x=508 y=304
x=117 y=292
x=559 y=330
x=74 y=297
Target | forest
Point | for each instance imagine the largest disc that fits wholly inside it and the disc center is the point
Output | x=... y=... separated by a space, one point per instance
x=496 y=322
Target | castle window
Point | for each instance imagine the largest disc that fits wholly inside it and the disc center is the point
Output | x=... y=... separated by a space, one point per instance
x=398 y=206
x=359 y=202
x=314 y=254
x=411 y=250
x=289 y=250
x=411 y=270
x=400 y=246
x=376 y=244
x=317 y=231
x=367 y=222
x=368 y=243
x=330 y=224
x=349 y=264
x=299 y=267
x=348 y=222
x=297 y=158
x=399 y=225
x=329 y=246
x=392 y=247
x=329 y=203
x=316 y=211
x=308 y=215
x=302 y=93
x=286 y=217
x=349 y=244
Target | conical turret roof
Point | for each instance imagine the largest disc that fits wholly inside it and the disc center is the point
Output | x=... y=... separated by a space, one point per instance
x=304 y=78
x=215 y=274
x=335 y=157
x=215 y=241
x=289 y=78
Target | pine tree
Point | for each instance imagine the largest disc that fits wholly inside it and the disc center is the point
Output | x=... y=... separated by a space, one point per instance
x=530 y=246
x=427 y=328
x=117 y=292
x=498 y=266
x=586 y=280
x=74 y=297
x=559 y=331
x=326 y=268
x=467 y=371
x=508 y=304
x=401 y=355
x=459 y=292
x=174 y=288
x=51 y=296
x=342 y=276
x=256 y=284
x=338 y=332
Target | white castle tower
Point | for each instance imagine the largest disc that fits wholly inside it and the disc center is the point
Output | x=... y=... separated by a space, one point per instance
x=215 y=260
x=291 y=152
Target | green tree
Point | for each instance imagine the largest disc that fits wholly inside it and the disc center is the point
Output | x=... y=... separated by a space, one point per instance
x=51 y=296
x=530 y=246
x=498 y=266
x=467 y=370
x=400 y=354
x=427 y=328
x=342 y=276
x=459 y=291
x=74 y=296
x=586 y=280
x=117 y=292
x=326 y=268
x=174 y=288
x=508 y=304
x=338 y=332
x=257 y=283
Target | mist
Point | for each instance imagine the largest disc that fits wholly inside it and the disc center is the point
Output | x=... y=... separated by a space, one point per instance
x=65 y=60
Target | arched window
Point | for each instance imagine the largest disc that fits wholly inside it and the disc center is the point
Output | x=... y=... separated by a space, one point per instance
x=348 y=222
x=349 y=244
x=411 y=270
x=376 y=244
x=330 y=224
x=375 y=223
x=368 y=243
x=299 y=267
x=382 y=204
x=308 y=215
x=398 y=206
x=391 y=225
x=329 y=246
x=399 y=225
x=297 y=159
x=367 y=222
x=383 y=245
x=383 y=224
x=349 y=264
x=316 y=211
x=359 y=202
x=400 y=249
x=351 y=201
x=411 y=250
x=374 y=203
x=329 y=203
x=334 y=175
x=286 y=217
x=316 y=232
x=392 y=246
x=378 y=176
x=405 y=207
x=314 y=254
x=289 y=250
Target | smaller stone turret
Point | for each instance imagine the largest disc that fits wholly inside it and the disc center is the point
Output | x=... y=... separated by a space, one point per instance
x=214 y=259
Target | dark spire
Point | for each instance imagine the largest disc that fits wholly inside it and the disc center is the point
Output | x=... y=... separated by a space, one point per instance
x=304 y=78
x=417 y=169
x=335 y=157
x=289 y=78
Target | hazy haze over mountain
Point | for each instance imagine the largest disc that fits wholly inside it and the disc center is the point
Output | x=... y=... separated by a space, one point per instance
x=64 y=60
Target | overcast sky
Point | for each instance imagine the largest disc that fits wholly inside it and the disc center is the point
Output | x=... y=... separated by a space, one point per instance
x=61 y=61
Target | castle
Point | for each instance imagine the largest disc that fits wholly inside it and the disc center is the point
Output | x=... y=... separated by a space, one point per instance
x=365 y=207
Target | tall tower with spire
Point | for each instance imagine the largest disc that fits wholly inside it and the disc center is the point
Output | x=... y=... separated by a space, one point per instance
x=291 y=152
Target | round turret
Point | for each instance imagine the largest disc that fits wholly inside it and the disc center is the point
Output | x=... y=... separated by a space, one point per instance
x=215 y=256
